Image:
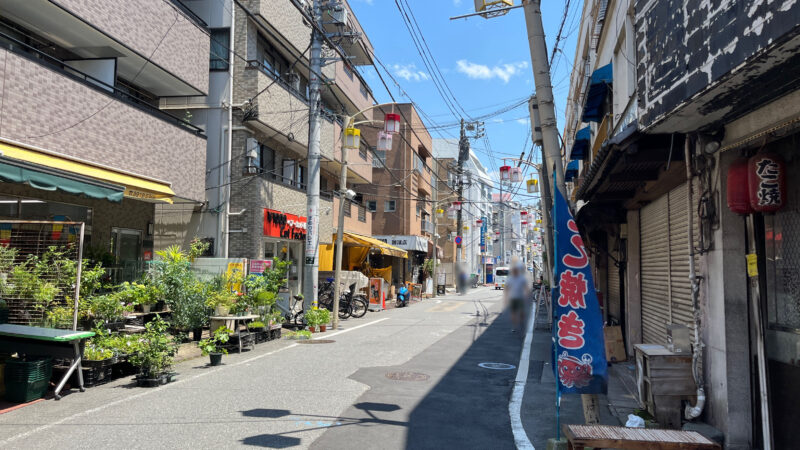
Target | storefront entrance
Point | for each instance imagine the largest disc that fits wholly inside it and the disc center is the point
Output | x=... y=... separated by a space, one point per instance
x=781 y=239
x=288 y=251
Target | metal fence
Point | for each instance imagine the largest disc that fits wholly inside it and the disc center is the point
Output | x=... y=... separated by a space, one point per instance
x=40 y=272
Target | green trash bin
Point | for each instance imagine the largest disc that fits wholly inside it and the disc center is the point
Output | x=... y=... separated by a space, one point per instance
x=27 y=379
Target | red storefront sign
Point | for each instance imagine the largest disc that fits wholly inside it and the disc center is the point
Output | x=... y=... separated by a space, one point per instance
x=285 y=226
x=767 y=182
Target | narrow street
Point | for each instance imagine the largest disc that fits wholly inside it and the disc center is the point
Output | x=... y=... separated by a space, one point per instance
x=402 y=378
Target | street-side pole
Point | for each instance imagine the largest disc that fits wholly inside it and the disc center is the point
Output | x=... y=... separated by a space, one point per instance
x=546 y=204
x=337 y=270
x=463 y=152
x=311 y=268
x=544 y=92
x=550 y=146
x=435 y=249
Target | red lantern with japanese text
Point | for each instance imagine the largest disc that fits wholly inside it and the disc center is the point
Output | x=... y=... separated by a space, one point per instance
x=738 y=194
x=766 y=179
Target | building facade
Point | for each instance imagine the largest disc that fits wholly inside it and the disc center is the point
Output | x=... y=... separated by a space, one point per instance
x=82 y=133
x=400 y=196
x=256 y=177
x=658 y=87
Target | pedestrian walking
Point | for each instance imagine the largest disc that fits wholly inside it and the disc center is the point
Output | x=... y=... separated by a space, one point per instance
x=517 y=293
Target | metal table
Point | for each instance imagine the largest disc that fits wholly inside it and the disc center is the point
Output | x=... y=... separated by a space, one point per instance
x=236 y=320
x=66 y=344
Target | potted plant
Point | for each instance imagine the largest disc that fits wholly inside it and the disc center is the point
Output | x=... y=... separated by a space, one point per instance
x=259 y=329
x=324 y=319
x=211 y=347
x=97 y=362
x=153 y=355
x=109 y=310
x=314 y=318
x=221 y=300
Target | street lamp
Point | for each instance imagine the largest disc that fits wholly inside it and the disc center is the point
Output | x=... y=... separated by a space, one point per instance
x=352 y=140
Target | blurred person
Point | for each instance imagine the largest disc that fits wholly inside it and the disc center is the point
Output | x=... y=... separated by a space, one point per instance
x=517 y=294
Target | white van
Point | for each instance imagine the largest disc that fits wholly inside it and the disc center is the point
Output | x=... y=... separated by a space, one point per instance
x=500 y=275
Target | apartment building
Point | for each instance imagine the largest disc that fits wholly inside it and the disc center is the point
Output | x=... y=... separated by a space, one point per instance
x=256 y=177
x=82 y=135
x=476 y=211
x=401 y=193
x=656 y=87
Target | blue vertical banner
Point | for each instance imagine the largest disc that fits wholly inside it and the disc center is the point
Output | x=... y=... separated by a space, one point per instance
x=484 y=230
x=580 y=356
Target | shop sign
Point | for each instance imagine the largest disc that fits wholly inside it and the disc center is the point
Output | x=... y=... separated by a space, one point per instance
x=412 y=243
x=767 y=182
x=283 y=225
x=259 y=266
x=580 y=363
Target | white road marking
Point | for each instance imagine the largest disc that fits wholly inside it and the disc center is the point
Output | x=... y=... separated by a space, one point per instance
x=515 y=405
x=166 y=386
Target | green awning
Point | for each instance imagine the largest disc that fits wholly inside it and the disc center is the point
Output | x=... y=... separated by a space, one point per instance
x=48 y=179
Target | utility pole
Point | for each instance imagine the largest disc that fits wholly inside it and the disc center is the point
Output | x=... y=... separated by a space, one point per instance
x=550 y=147
x=435 y=246
x=340 y=230
x=551 y=150
x=463 y=153
x=311 y=268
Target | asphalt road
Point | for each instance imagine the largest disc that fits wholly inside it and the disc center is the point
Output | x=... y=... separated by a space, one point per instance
x=402 y=378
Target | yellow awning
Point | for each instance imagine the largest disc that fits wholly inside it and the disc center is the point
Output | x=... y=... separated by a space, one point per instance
x=135 y=187
x=366 y=241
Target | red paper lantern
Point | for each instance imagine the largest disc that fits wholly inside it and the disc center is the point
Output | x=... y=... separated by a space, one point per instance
x=738 y=191
x=766 y=179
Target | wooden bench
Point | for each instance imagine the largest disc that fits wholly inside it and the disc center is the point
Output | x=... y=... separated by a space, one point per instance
x=602 y=436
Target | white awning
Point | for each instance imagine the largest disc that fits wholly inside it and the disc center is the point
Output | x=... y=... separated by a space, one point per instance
x=410 y=243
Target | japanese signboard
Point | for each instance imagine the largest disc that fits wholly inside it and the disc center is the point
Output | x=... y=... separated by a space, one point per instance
x=259 y=266
x=484 y=230
x=283 y=225
x=767 y=182
x=581 y=366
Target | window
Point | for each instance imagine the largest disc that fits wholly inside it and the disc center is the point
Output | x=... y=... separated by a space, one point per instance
x=389 y=206
x=419 y=165
x=372 y=205
x=220 y=43
x=362 y=152
x=289 y=171
x=347 y=205
x=379 y=159
x=301 y=176
x=268 y=162
x=275 y=65
x=363 y=90
x=348 y=70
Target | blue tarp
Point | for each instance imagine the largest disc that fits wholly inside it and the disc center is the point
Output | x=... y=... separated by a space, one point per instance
x=581 y=145
x=572 y=171
x=598 y=88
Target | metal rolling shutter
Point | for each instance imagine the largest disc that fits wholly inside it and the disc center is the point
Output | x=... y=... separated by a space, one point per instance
x=655 y=259
x=680 y=285
x=613 y=282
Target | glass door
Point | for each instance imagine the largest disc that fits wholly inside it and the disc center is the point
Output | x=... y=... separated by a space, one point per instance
x=126 y=245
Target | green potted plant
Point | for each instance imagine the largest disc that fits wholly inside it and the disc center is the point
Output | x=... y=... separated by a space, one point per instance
x=314 y=318
x=324 y=319
x=153 y=355
x=108 y=310
x=221 y=301
x=139 y=294
x=211 y=347
x=97 y=362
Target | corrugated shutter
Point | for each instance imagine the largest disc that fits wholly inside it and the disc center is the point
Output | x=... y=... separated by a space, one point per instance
x=655 y=261
x=614 y=298
x=680 y=284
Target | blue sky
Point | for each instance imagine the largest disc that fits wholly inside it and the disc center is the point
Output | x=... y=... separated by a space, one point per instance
x=486 y=64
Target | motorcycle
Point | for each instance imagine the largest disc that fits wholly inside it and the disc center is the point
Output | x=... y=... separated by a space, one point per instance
x=402 y=297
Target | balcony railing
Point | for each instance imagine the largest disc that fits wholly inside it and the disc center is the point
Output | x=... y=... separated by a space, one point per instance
x=63 y=68
x=427 y=226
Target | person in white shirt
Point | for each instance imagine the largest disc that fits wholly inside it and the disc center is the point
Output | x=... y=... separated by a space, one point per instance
x=517 y=294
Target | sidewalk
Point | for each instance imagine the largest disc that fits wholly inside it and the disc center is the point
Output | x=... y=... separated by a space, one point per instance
x=539 y=402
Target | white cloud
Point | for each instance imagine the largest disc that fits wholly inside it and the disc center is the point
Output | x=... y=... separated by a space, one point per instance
x=457 y=2
x=522 y=121
x=409 y=72
x=369 y=2
x=484 y=72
